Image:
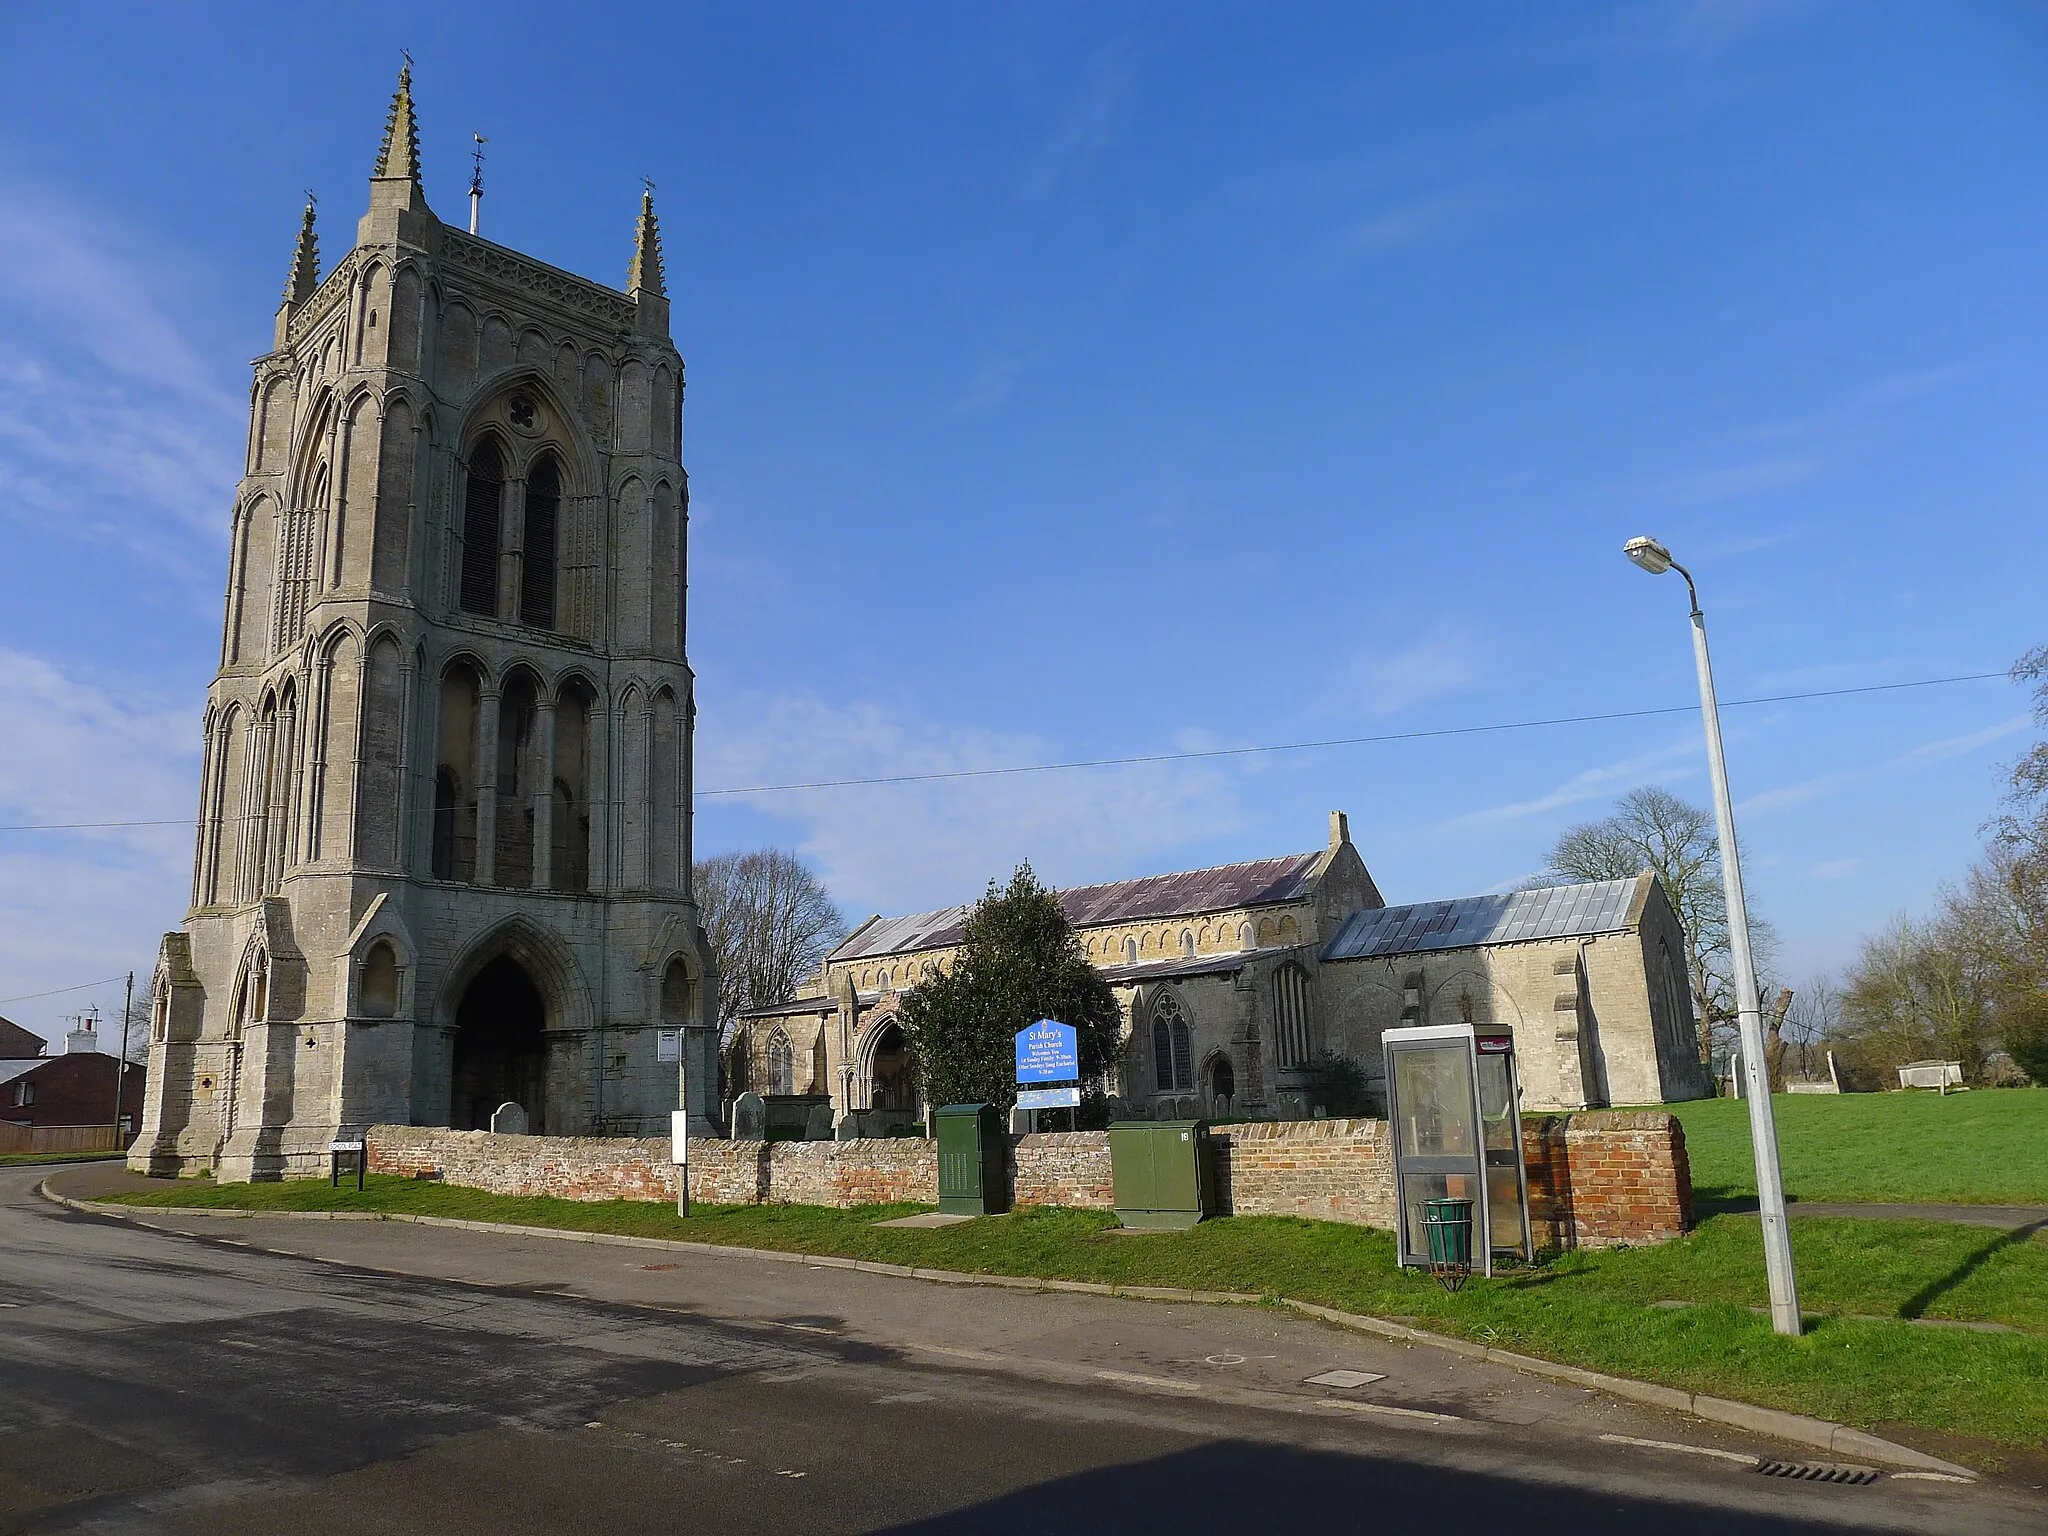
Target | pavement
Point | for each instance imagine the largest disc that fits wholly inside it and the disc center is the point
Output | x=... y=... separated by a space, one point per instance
x=2009 y=1218
x=250 y=1373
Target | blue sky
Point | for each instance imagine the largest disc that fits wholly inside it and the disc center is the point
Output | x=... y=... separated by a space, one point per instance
x=1070 y=381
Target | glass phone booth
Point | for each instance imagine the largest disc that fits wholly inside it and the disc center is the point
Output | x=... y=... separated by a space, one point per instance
x=1454 y=1107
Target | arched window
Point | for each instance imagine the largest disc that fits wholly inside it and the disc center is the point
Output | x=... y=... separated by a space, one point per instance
x=1172 y=1048
x=377 y=993
x=781 y=1065
x=1187 y=943
x=482 y=501
x=1130 y=951
x=537 y=560
x=447 y=797
x=1290 y=1015
x=1222 y=1085
x=678 y=993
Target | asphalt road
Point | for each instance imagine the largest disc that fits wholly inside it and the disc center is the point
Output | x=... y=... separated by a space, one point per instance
x=379 y=1377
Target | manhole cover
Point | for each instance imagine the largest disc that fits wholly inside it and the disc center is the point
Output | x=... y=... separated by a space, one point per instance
x=1347 y=1378
x=1818 y=1472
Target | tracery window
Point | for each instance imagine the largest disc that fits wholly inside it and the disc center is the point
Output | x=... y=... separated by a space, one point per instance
x=781 y=1065
x=1290 y=1015
x=537 y=563
x=482 y=505
x=1172 y=1046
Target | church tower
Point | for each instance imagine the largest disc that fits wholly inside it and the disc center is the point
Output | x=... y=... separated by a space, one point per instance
x=443 y=858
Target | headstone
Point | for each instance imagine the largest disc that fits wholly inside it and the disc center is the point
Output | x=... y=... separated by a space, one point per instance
x=1022 y=1121
x=819 y=1126
x=848 y=1128
x=749 y=1117
x=508 y=1119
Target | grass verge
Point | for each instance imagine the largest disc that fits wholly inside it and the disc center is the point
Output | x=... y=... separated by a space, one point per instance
x=1864 y=1361
x=30 y=1159
x=1986 y=1147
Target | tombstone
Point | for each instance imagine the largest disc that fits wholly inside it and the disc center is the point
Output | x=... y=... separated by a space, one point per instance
x=1023 y=1122
x=508 y=1119
x=819 y=1126
x=749 y=1117
x=848 y=1128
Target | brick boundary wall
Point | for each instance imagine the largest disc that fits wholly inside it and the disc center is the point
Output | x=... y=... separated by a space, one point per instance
x=1597 y=1179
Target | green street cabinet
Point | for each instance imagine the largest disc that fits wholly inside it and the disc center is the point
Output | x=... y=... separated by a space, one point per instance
x=974 y=1154
x=1165 y=1172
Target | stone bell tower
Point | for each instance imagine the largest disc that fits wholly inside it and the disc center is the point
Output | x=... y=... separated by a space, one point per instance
x=443 y=860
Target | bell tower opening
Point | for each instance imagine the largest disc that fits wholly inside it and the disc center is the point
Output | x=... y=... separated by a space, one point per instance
x=500 y=1049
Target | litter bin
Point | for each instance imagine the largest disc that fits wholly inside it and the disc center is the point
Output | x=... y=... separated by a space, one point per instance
x=1448 y=1225
x=1164 y=1172
x=973 y=1160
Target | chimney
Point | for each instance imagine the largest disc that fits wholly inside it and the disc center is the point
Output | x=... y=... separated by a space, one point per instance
x=83 y=1038
x=1340 y=830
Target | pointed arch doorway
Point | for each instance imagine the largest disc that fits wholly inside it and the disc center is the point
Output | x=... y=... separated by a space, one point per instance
x=500 y=1048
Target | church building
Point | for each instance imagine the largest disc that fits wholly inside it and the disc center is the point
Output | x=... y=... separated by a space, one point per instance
x=1238 y=983
x=444 y=833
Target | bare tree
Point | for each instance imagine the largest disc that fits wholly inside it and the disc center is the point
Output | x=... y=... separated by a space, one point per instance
x=1651 y=828
x=1814 y=1017
x=771 y=923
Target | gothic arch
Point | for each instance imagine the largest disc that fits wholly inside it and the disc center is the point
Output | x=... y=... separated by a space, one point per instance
x=542 y=955
x=1501 y=1003
x=580 y=475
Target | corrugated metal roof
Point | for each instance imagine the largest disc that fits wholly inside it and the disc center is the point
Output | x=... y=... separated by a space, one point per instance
x=1261 y=882
x=1553 y=912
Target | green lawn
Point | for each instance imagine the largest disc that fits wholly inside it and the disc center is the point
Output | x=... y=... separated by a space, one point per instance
x=1987 y=1147
x=21 y=1159
x=1861 y=1363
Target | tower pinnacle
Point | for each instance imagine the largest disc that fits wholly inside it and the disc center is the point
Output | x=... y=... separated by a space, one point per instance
x=645 y=275
x=305 y=271
x=398 y=158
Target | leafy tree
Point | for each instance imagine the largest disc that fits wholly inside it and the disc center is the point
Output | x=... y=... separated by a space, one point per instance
x=771 y=923
x=1337 y=1084
x=1018 y=962
x=1651 y=828
x=1917 y=992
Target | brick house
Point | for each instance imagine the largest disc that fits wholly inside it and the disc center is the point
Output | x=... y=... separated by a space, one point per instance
x=74 y=1088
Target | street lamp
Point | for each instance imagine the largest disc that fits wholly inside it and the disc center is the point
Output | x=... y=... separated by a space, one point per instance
x=1756 y=1072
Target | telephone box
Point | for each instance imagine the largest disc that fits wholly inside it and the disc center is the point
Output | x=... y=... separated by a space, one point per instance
x=1454 y=1107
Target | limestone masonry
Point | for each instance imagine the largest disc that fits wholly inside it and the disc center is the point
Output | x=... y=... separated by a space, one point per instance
x=443 y=859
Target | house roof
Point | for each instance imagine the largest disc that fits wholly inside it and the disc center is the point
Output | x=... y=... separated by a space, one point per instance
x=17 y=1044
x=10 y=1070
x=1260 y=882
x=1223 y=964
x=1552 y=912
x=816 y=1003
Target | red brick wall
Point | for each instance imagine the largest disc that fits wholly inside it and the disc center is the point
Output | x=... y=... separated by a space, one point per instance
x=74 y=1089
x=1606 y=1178
x=1598 y=1179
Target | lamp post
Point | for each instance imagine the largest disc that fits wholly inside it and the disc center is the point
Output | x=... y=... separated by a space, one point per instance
x=1756 y=1072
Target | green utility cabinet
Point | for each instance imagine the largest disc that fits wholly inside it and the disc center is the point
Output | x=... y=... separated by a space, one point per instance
x=974 y=1156
x=1165 y=1172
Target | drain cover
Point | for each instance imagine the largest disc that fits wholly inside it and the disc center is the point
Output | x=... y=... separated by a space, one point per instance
x=1346 y=1378
x=1818 y=1472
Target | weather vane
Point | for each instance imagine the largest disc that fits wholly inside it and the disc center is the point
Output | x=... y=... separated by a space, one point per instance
x=476 y=180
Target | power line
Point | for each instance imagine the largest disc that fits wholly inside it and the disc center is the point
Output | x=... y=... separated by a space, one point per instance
x=1211 y=752
x=57 y=991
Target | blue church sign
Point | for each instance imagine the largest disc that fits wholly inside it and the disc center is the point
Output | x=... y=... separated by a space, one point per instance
x=1048 y=1052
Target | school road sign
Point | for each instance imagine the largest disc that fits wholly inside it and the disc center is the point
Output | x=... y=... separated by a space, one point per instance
x=1048 y=1052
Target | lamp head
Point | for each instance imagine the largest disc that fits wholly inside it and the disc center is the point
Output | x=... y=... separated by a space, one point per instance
x=1649 y=554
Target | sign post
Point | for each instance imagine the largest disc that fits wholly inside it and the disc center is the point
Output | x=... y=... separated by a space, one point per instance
x=679 y=1154
x=1049 y=1052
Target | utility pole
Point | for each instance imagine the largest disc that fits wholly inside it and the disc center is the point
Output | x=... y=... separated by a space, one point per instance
x=121 y=1066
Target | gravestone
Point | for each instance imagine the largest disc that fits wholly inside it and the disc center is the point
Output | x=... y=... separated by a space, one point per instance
x=1023 y=1122
x=749 y=1117
x=848 y=1128
x=818 y=1127
x=508 y=1119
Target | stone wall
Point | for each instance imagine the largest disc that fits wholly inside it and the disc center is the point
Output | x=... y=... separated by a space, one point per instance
x=1597 y=1179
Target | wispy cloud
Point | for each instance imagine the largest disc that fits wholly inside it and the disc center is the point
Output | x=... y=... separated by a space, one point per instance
x=911 y=846
x=1826 y=785
x=1085 y=125
x=1661 y=766
x=75 y=905
x=1729 y=482
x=1443 y=661
x=1836 y=869
x=111 y=428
